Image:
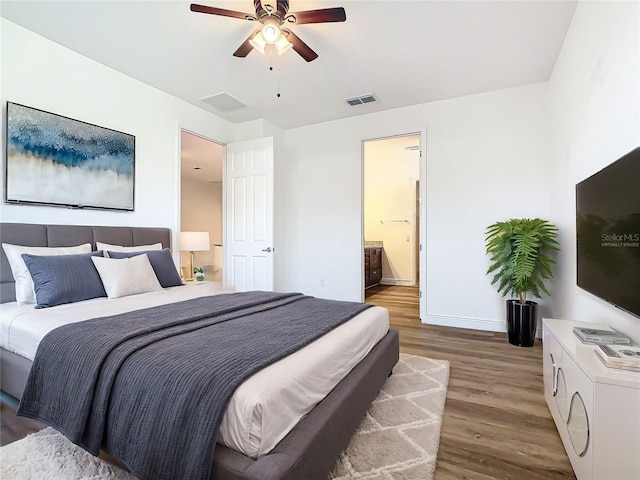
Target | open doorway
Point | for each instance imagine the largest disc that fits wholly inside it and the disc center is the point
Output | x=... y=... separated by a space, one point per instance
x=391 y=213
x=201 y=204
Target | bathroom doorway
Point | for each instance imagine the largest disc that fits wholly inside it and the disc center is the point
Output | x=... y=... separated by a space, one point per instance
x=391 y=213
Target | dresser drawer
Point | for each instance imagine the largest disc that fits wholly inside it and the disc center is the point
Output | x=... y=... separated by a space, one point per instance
x=375 y=275
x=376 y=258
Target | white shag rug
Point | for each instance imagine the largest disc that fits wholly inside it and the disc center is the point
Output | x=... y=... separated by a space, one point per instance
x=397 y=440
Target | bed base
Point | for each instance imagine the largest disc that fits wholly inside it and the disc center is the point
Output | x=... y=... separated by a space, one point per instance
x=13 y=373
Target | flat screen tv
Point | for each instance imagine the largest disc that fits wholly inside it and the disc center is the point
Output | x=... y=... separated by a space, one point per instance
x=608 y=233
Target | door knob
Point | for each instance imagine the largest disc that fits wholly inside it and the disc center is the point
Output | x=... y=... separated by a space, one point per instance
x=268 y=249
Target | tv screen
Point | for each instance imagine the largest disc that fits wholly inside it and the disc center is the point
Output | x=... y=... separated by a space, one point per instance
x=608 y=233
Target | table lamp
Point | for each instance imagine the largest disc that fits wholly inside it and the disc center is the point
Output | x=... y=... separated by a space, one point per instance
x=194 y=242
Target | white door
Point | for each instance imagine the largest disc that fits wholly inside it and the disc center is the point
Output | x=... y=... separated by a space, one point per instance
x=249 y=215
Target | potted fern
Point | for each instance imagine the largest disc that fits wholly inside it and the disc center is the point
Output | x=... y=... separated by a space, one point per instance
x=520 y=263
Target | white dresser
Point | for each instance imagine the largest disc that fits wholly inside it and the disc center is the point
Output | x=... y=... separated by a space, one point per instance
x=596 y=409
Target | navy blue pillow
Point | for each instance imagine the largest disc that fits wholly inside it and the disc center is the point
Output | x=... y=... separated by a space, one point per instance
x=62 y=279
x=162 y=265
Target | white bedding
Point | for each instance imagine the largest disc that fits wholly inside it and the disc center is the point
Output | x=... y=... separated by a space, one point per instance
x=266 y=406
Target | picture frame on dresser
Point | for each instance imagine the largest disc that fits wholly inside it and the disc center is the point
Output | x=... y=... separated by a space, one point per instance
x=59 y=161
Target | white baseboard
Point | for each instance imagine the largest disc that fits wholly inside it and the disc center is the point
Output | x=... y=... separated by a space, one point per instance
x=464 y=322
x=472 y=323
x=403 y=282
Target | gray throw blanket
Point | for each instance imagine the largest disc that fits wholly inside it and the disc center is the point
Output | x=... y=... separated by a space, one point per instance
x=151 y=387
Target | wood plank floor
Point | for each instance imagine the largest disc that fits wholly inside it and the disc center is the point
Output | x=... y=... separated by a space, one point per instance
x=496 y=423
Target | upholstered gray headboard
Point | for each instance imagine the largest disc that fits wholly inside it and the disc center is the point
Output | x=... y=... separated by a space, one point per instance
x=36 y=235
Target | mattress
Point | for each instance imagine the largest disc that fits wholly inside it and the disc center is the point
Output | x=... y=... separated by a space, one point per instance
x=266 y=406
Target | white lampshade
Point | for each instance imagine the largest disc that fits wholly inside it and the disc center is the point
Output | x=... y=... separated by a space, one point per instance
x=283 y=45
x=258 y=42
x=194 y=241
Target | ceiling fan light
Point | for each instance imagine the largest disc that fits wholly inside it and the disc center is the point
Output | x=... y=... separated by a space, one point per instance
x=271 y=33
x=258 y=42
x=283 y=45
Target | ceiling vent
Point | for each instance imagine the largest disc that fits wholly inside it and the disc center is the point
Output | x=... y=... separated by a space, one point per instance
x=223 y=102
x=368 y=98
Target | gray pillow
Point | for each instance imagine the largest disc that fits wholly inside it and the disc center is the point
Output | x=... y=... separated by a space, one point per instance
x=62 y=279
x=161 y=262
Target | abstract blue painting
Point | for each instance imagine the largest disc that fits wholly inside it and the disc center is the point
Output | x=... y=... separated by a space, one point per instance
x=57 y=160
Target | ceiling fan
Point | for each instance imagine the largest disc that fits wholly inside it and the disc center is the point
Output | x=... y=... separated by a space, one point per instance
x=273 y=15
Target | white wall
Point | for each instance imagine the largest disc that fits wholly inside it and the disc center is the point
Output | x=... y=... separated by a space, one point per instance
x=487 y=159
x=42 y=74
x=595 y=115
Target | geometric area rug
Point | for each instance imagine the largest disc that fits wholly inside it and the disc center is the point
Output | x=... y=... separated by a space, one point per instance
x=398 y=438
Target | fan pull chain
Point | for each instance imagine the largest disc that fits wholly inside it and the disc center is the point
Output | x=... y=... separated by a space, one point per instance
x=277 y=74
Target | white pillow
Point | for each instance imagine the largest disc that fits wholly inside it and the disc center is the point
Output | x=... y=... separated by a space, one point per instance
x=25 y=292
x=126 y=276
x=119 y=248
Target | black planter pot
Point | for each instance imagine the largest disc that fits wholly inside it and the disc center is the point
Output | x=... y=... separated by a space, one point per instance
x=522 y=321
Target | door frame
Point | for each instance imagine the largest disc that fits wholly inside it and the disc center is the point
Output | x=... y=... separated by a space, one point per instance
x=175 y=240
x=422 y=228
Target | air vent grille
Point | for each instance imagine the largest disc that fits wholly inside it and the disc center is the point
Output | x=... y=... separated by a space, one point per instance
x=362 y=99
x=223 y=102
x=412 y=148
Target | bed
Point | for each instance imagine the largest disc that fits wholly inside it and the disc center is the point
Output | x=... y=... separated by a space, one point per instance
x=307 y=451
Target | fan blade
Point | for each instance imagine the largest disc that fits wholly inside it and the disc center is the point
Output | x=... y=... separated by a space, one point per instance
x=299 y=46
x=322 y=15
x=221 y=11
x=244 y=49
